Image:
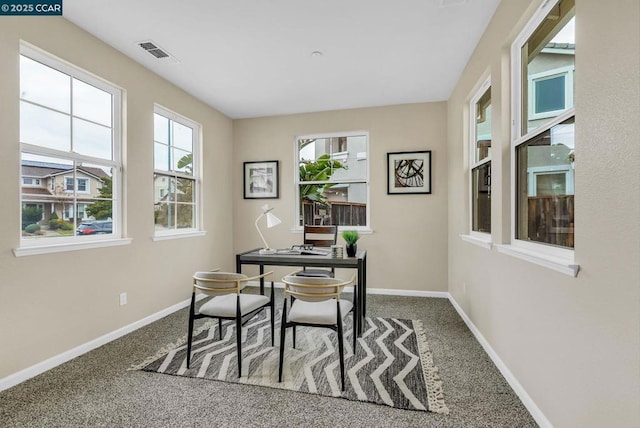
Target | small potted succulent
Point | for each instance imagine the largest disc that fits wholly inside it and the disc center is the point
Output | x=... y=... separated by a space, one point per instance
x=351 y=238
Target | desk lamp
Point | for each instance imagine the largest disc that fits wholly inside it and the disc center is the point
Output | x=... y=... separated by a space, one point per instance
x=272 y=221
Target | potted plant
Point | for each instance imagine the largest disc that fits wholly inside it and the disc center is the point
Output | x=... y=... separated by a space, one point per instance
x=351 y=238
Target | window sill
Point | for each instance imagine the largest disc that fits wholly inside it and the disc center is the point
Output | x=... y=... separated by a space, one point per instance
x=72 y=246
x=559 y=264
x=178 y=235
x=482 y=242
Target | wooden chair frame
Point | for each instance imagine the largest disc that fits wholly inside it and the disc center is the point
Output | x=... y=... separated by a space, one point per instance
x=239 y=318
x=307 y=239
x=321 y=296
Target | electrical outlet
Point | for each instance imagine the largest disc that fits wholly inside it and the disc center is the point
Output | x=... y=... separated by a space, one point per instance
x=123 y=299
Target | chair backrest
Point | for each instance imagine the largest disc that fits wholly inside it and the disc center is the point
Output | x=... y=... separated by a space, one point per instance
x=320 y=236
x=219 y=282
x=314 y=289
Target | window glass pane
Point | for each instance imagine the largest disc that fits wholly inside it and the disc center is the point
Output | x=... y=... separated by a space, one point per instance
x=91 y=139
x=549 y=51
x=184 y=189
x=343 y=204
x=44 y=85
x=184 y=216
x=163 y=186
x=44 y=127
x=164 y=216
x=483 y=126
x=91 y=103
x=481 y=177
x=550 y=94
x=545 y=187
x=182 y=137
x=333 y=159
x=182 y=161
x=48 y=207
x=100 y=198
x=161 y=157
x=160 y=128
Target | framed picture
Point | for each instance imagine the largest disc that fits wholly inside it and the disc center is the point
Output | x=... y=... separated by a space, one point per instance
x=409 y=172
x=261 y=180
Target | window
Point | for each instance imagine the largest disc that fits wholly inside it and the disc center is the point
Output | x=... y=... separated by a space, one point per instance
x=70 y=139
x=544 y=182
x=176 y=144
x=551 y=93
x=480 y=160
x=333 y=179
x=543 y=138
x=544 y=64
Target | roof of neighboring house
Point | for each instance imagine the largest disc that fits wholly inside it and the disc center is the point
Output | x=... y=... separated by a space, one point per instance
x=35 y=191
x=48 y=169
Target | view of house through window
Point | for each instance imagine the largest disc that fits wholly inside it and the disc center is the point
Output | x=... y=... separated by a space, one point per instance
x=333 y=180
x=175 y=172
x=70 y=146
x=481 y=162
x=545 y=151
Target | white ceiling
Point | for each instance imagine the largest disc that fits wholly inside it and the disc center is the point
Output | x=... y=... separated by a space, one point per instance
x=252 y=58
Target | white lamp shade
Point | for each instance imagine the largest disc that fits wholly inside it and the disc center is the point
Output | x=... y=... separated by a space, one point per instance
x=272 y=220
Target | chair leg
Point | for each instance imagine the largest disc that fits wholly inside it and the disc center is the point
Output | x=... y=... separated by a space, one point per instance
x=220 y=328
x=191 y=316
x=354 y=316
x=340 y=344
x=283 y=332
x=273 y=322
x=294 y=337
x=239 y=336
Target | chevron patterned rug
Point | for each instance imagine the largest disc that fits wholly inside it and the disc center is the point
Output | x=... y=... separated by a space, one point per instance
x=392 y=364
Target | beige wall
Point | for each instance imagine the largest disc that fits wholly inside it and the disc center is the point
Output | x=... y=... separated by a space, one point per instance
x=52 y=303
x=573 y=344
x=408 y=247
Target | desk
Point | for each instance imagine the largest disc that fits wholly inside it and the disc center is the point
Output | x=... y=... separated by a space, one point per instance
x=359 y=262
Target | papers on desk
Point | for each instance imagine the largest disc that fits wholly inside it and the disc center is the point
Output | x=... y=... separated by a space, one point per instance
x=304 y=251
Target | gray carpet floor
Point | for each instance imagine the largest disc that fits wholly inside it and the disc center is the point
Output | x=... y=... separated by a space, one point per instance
x=97 y=390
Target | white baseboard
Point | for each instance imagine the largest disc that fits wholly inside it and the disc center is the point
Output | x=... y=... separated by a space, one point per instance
x=29 y=372
x=528 y=402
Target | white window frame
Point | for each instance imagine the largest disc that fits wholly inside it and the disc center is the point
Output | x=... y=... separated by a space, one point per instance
x=197 y=230
x=482 y=238
x=558 y=259
x=567 y=72
x=341 y=155
x=71 y=243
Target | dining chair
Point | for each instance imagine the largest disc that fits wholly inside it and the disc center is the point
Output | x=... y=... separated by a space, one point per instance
x=319 y=236
x=316 y=302
x=228 y=303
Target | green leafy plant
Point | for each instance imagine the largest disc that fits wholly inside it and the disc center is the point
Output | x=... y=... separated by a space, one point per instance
x=350 y=236
x=32 y=228
x=30 y=216
x=319 y=170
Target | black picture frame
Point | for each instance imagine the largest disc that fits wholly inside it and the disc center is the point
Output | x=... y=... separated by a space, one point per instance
x=261 y=180
x=409 y=173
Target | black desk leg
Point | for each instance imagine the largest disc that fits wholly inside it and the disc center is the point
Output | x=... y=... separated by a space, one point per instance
x=360 y=297
x=261 y=280
x=364 y=287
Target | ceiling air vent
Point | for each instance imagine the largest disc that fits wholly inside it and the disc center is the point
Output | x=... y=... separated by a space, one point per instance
x=156 y=51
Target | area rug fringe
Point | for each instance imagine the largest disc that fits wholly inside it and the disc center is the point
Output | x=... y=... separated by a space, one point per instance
x=435 y=394
x=170 y=347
